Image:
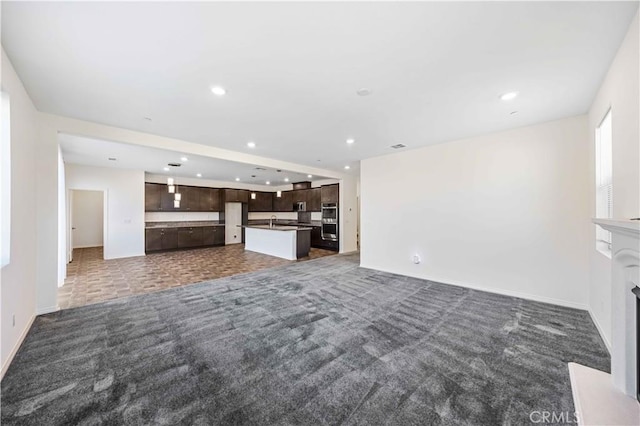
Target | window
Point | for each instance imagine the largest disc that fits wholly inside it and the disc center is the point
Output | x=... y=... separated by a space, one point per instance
x=604 y=181
x=5 y=180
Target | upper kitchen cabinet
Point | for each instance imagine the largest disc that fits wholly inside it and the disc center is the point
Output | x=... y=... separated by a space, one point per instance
x=330 y=194
x=299 y=195
x=157 y=198
x=236 y=196
x=262 y=203
x=313 y=199
x=152 y=196
x=210 y=199
x=190 y=200
x=302 y=185
x=284 y=203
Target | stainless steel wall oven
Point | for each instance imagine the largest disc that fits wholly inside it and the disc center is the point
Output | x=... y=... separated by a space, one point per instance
x=330 y=221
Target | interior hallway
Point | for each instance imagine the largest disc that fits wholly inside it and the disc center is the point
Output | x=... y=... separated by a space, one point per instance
x=91 y=279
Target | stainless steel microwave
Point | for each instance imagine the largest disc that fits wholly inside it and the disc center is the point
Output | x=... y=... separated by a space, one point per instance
x=300 y=206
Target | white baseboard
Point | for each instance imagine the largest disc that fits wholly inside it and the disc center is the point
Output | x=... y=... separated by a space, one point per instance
x=13 y=352
x=47 y=310
x=89 y=246
x=527 y=296
x=606 y=341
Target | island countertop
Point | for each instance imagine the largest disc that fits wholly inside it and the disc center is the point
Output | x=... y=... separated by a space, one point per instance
x=278 y=227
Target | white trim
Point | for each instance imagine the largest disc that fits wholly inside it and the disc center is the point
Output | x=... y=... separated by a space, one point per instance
x=47 y=310
x=574 y=392
x=622 y=226
x=89 y=246
x=517 y=294
x=603 y=336
x=14 y=351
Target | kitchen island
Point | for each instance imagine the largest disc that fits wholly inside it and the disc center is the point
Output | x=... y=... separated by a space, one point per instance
x=287 y=242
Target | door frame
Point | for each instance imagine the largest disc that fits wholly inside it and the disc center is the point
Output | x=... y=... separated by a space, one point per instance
x=105 y=221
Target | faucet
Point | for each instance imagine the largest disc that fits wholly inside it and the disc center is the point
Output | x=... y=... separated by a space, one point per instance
x=273 y=217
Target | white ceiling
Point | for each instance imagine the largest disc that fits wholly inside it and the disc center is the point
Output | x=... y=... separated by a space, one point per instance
x=94 y=152
x=291 y=69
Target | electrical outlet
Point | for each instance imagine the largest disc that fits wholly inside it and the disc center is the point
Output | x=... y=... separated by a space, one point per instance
x=416 y=259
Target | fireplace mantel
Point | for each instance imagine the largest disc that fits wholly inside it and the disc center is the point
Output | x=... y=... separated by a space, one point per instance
x=600 y=398
x=621 y=226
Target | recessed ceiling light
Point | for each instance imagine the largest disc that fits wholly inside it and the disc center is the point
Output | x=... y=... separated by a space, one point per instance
x=251 y=144
x=509 y=96
x=513 y=112
x=350 y=141
x=237 y=179
x=286 y=179
x=218 y=91
x=398 y=146
x=112 y=158
x=347 y=167
x=147 y=118
x=166 y=169
x=309 y=176
x=268 y=183
x=199 y=175
x=363 y=91
x=184 y=159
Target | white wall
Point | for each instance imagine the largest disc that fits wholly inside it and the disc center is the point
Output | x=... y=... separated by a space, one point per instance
x=506 y=212
x=87 y=224
x=124 y=194
x=18 y=278
x=620 y=92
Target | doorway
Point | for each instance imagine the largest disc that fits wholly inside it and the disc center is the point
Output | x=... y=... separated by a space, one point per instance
x=86 y=220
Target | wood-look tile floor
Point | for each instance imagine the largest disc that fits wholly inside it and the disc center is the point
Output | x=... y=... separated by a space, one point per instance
x=91 y=279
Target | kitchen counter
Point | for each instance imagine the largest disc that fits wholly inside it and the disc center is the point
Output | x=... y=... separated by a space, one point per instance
x=183 y=224
x=284 y=222
x=286 y=242
x=280 y=227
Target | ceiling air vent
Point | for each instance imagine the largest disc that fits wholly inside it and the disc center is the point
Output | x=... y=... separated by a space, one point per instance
x=398 y=146
x=260 y=168
x=174 y=164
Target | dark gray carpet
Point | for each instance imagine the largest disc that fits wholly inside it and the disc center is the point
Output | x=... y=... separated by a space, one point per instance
x=318 y=342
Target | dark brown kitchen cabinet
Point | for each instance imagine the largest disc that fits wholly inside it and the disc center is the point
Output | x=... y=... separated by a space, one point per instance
x=299 y=195
x=190 y=198
x=284 y=203
x=166 y=200
x=302 y=185
x=151 y=197
x=330 y=194
x=157 y=198
x=263 y=202
x=316 y=236
x=209 y=199
x=213 y=235
x=236 y=196
x=161 y=239
x=190 y=237
x=208 y=235
x=313 y=200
